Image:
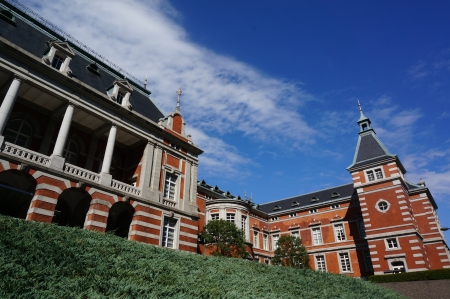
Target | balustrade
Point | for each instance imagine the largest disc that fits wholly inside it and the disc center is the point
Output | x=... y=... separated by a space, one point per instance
x=26 y=154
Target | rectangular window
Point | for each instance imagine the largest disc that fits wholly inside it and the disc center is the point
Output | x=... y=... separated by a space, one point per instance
x=57 y=62
x=230 y=217
x=244 y=225
x=255 y=239
x=168 y=232
x=334 y=207
x=392 y=243
x=169 y=186
x=378 y=173
x=345 y=262
x=339 y=232
x=120 y=97
x=312 y=211
x=295 y=233
x=214 y=216
x=266 y=242
x=320 y=262
x=274 y=218
x=274 y=241
x=370 y=176
x=368 y=260
x=292 y=215
x=362 y=229
x=316 y=236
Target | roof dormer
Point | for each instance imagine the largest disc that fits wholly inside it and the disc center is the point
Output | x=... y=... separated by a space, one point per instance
x=120 y=93
x=58 y=56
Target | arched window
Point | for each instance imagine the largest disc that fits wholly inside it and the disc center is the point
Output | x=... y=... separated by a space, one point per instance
x=71 y=151
x=18 y=132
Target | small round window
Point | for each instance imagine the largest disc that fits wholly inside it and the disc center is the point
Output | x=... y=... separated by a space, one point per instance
x=382 y=206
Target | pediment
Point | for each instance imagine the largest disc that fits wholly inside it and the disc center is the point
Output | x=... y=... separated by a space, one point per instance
x=63 y=47
x=124 y=84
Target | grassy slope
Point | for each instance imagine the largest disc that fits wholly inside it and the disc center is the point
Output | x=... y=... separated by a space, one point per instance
x=39 y=260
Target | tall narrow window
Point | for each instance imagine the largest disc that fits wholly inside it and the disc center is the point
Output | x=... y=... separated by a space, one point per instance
x=265 y=242
x=362 y=229
x=370 y=176
x=57 y=62
x=339 y=232
x=320 y=262
x=120 y=97
x=378 y=173
x=368 y=260
x=275 y=241
x=244 y=225
x=295 y=234
x=317 y=236
x=168 y=238
x=345 y=262
x=230 y=217
x=169 y=186
x=71 y=152
x=255 y=239
x=18 y=132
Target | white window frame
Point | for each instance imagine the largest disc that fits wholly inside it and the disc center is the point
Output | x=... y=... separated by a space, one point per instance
x=313 y=211
x=255 y=239
x=63 y=51
x=344 y=258
x=335 y=206
x=388 y=243
x=321 y=265
x=121 y=87
x=380 y=201
x=275 y=239
x=265 y=241
x=231 y=217
x=295 y=233
x=176 y=229
x=166 y=192
x=215 y=216
x=316 y=235
x=374 y=172
x=338 y=233
x=397 y=259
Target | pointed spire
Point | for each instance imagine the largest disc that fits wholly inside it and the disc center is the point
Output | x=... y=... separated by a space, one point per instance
x=145 y=82
x=179 y=92
x=363 y=121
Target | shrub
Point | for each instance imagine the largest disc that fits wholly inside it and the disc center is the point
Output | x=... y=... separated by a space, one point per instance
x=291 y=253
x=412 y=276
x=41 y=260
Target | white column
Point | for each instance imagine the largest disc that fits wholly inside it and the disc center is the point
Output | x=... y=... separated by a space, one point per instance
x=8 y=102
x=64 y=131
x=109 y=149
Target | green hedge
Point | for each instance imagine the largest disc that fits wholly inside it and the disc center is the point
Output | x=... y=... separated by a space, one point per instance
x=412 y=276
x=40 y=260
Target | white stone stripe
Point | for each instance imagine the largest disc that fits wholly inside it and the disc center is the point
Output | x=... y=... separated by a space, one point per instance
x=415 y=248
x=445 y=266
x=356 y=177
x=362 y=204
x=434 y=228
x=402 y=202
x=432 y=222
x=400 y=196
x=40 y=212
x=375 y=259
x=101 y=202
x=143 y=234
x=392 y=163
x=188 y=235
x=364 y=209
x=430 y=217
x=420 y=262
x=362 y=198
x=98 y=212
x=372 y=246
x=367 y=225
x=417 y=254
x=440 y=247
x=148 y=215
x=423 y=195
x=365 y=214
x=445 y=260
x=398 y=191
x=95 y=223
x=45 y=199
x=392 y=169
x=5 y=165
x=442 y=253
x=142 y=223
x=48 y=187
x=373 y=252
x=188 y=226
x=405 y=213
x=407 y=219
x=413 y=241
x=403 y=207
x=376 y=266
x=187 y=244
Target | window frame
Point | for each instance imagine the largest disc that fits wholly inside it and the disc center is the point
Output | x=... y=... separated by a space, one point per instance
x=335 y=206
x=19 y=133
x=381 y=200
x=255 y=239
x=213 y=216
x=166 y=192
x=344 y=258
x=229 y=218
x=395 y=242
x=371 y=175
x=317 y=263
x=275 y=238
x=265 y=241
x=176 y=231
x=316 y=236
x=341 y=233
x=313 y=211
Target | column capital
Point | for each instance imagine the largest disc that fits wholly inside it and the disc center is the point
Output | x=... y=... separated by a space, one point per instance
x=20 y=77
x=115 y=123
x=73 y=103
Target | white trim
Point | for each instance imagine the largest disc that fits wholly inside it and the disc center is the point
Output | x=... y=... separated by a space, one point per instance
x=95 y=223
x=40 y=212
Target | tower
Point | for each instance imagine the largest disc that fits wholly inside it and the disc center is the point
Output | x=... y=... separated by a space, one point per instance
x=402 y=230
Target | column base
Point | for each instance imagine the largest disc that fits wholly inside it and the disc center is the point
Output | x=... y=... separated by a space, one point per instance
x=56 y=162
x=105 y=179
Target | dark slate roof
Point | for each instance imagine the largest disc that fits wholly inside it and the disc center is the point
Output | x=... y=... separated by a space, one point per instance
x=369 y=150
x=344 y=191
x=35 y=40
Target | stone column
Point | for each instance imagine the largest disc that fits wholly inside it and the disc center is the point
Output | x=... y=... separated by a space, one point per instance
x=106 y=177
x=156 y=172
x=8 y=104
x=57 y=159
x=193 y=191
x=146 y=170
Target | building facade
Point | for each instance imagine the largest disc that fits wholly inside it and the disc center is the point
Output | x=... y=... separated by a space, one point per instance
x=82 y=144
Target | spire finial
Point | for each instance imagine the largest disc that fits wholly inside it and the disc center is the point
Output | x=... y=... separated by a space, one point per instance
x=145 y=82
x=245 y=194
x=360 y=107
x=179 y=92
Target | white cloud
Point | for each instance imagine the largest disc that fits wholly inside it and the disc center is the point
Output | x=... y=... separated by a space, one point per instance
x=220 y=95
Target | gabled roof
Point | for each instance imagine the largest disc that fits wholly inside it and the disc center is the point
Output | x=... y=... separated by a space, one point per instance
x=304 y=200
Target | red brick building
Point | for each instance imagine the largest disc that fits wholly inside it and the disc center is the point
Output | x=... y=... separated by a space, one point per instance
x=82 y=144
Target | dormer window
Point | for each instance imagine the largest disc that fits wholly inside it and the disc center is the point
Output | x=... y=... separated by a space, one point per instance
x=276 y=208
x=294 y=204
x=314 y=199
x=335 y=194
x=120 y=93
x=58 y=56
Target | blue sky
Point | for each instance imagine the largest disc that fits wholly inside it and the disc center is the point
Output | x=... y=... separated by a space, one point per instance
x=270 y=88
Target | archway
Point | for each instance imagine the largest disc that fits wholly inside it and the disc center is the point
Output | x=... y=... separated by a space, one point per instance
x=72 y=207
x=16 y=192
x=119 y=219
